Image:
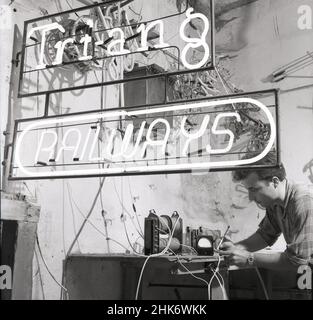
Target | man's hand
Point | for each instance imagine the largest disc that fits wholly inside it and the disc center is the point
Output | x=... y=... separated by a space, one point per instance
x=234 y=255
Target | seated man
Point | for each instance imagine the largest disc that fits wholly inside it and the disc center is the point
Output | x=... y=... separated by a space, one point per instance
x=289 y=210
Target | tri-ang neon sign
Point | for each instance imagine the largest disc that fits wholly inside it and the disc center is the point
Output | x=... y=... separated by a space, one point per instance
x=116 y=44
x=91 y=38
x=128 y=155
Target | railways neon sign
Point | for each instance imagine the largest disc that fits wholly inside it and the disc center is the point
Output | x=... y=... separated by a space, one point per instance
x=92 y=144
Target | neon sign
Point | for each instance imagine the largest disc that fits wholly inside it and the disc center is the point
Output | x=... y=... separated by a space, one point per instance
x=93 y=39
x=116 y=44
x=93 y=145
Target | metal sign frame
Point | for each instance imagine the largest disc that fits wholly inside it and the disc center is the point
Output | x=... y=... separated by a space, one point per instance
x=164 y=75
x=273 y=92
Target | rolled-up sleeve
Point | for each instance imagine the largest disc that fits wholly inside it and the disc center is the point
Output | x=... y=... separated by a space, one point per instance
x=300 y=248
x=269 y=229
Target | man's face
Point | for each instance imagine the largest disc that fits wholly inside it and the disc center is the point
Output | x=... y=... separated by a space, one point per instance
x=262 y=192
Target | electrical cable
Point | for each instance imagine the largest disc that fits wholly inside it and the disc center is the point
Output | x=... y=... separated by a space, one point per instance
x=224 y=81
x=220 y=282
x=293 y=63
x=190 y=272
x=137 y=14
x=103 y=79
x=215 y=276
x=97 y=229
x=25 y=184
x=183 y=245
x=134 y=208
x=290 y=68
x=138 y=243
x=63 y=189
x=115 y=241
x=47 y=268
x=262 y=283
x=189 y=247
x=235 y=109
x=297 y=68
x=78 y=209
x=58 y=6
x=127 y=236
x=128 y=213
x=215 y=272
x=101 y=202
x=72 y=8
x=103 y=212
x=155 y=255
x=140 y=276
x=63 y=218
x=224 y=86
x=86 y=218
x=40 y=277
x=73 y=215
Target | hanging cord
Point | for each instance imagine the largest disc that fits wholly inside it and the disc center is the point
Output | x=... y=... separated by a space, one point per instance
x=100 y=232
x=103 y=95
x=47 y=268
x=81 y=228
x=128 y=239
x=73 y=216
x=128 y=213
x=123 y=219
x=40 y=276
x=262 y=283
x=134 y=208
x=86 y=219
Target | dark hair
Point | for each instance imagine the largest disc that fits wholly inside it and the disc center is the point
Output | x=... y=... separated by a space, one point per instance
x=263 y=173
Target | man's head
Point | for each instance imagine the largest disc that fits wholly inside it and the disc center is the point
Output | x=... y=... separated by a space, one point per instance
x=265 y=186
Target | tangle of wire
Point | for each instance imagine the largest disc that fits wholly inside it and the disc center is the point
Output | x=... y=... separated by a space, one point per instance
x=95 y=227
x=128 y=213
x=155 y=255
x=190 y=272
x=167 y=248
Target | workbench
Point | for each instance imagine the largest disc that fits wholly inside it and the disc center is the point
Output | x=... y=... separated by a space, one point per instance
x=244 y=284
x=106 y=277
